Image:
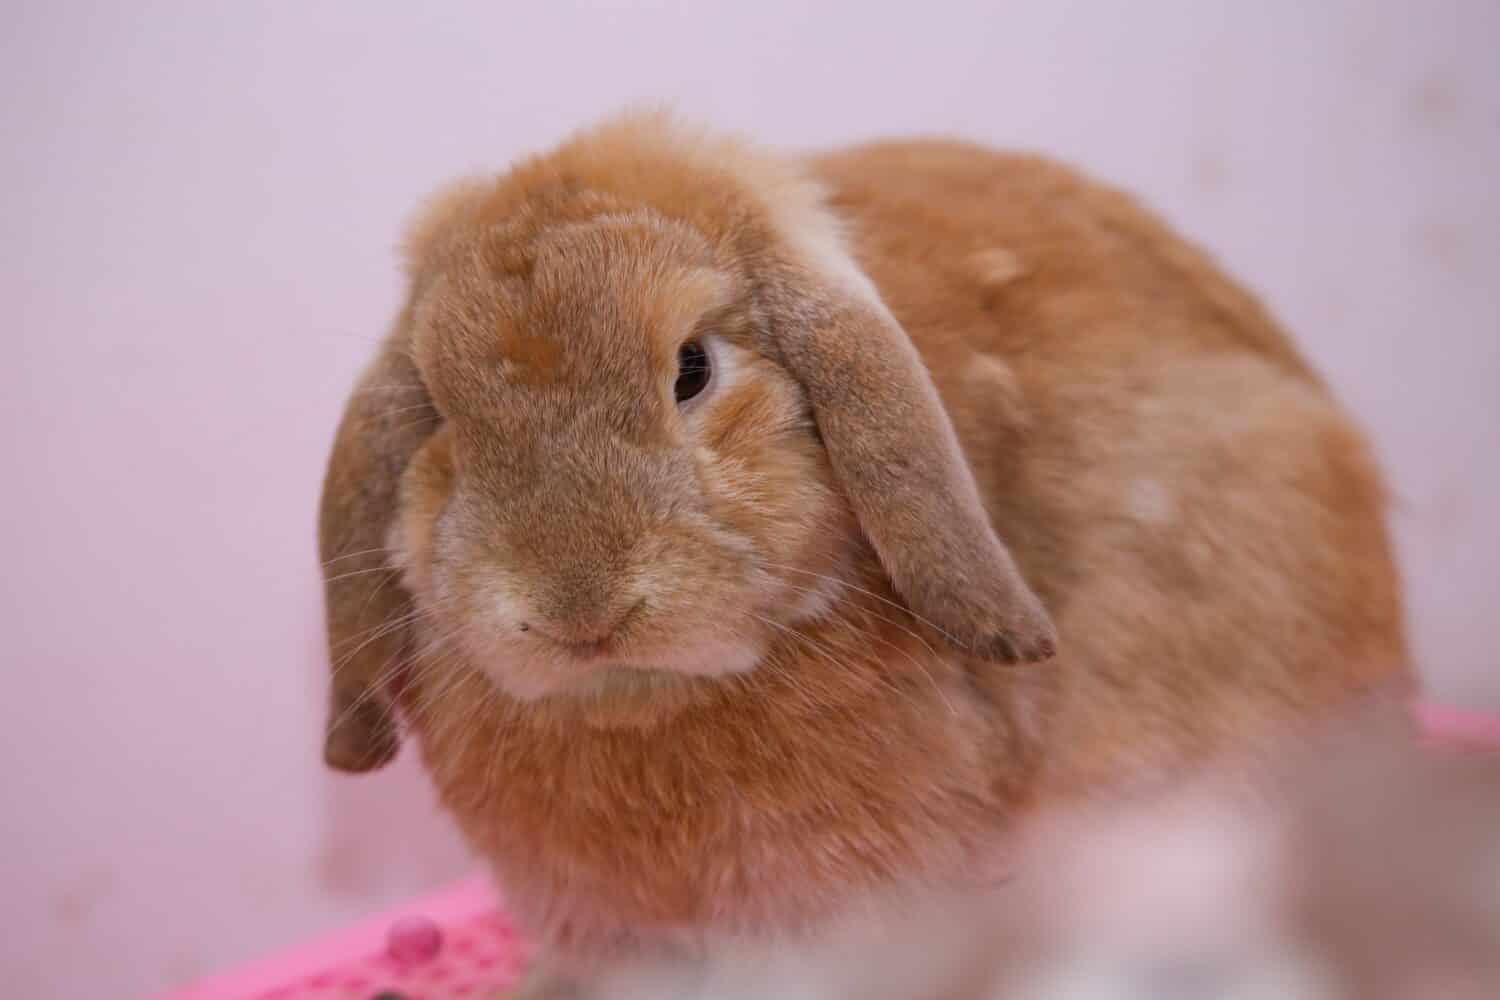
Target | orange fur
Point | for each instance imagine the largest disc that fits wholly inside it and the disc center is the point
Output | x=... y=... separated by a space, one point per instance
x=1196 y=514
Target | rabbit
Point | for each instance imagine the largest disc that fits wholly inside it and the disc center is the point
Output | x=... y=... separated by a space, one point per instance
x=752 y=541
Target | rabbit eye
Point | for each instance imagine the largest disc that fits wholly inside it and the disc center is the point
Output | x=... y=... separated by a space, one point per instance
x=693 y=371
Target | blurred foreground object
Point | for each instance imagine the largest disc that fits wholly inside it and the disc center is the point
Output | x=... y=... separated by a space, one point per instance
x=1363 y=863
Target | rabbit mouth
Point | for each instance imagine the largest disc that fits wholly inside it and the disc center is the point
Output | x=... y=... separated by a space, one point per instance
x=539 y=663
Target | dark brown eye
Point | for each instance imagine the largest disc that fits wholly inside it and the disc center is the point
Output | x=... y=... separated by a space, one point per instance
x=693 y=371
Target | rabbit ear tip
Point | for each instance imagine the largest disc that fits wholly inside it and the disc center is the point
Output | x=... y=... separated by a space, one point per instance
x=1004 y=622
x=365 y=740
x=1028 y=644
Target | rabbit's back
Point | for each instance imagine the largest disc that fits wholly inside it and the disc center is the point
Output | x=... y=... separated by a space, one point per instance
x=1202 y=519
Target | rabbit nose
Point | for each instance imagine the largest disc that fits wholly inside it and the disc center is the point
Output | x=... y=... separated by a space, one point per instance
x=588 y=631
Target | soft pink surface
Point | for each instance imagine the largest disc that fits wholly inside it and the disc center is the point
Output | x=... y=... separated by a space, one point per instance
x=479 y=953
x=1457 y=727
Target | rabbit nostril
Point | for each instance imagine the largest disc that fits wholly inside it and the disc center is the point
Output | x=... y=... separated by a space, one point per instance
x=524 y=627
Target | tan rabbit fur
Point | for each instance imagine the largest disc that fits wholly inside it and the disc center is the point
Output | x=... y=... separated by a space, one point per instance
x=725 y=669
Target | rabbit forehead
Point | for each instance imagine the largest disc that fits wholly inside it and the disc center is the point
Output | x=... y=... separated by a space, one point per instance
x=634 y=278
x=600 y=305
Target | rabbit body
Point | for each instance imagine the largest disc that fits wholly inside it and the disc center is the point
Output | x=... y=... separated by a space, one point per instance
x=1175 y=492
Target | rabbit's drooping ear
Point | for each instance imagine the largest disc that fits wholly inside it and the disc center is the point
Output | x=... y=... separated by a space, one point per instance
x=388 y=417
x=896 y=454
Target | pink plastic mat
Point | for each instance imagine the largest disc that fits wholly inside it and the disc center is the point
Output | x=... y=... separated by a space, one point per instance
x=457 y=943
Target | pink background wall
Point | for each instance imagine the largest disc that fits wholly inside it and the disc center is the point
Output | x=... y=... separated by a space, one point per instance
x=199 y=203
